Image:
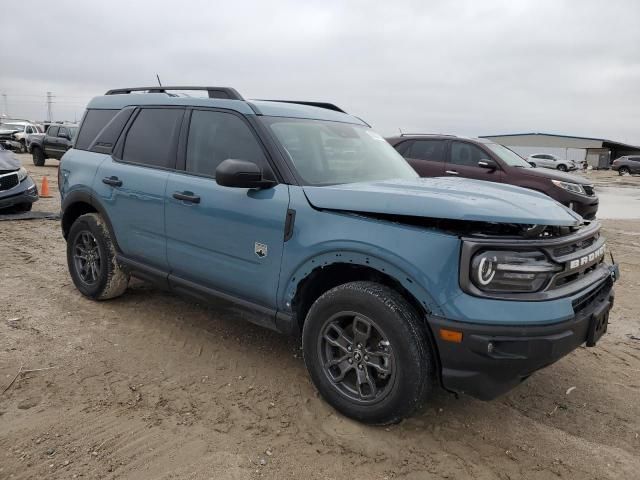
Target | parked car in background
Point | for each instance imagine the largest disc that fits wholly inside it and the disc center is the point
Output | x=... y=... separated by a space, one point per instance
x=14 y=134
x=448 y=155
x=306 y=220
x=546 y=160
x=17 y=189
x=53 y=144
x=627 y=165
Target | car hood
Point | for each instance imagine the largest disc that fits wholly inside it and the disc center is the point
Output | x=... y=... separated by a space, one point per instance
x=554 y=175
x=445 y=198
x=8 y=161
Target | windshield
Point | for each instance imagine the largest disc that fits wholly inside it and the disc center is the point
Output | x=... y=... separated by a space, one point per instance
x=11 y=126
x=508 y=156
x=329 y=153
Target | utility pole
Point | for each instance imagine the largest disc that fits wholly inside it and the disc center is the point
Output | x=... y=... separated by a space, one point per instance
x=6 y=105
x=49 y=97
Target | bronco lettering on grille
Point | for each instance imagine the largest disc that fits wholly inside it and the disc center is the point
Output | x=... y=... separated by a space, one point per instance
x=585 y=259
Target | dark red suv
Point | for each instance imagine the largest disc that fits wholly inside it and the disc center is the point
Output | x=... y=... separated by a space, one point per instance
x=446 y=155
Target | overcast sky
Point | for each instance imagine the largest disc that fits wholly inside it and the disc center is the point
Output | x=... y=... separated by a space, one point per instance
x=464 y=67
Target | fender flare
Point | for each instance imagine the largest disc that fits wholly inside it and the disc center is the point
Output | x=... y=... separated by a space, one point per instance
x=350 y=257
x=84 y=196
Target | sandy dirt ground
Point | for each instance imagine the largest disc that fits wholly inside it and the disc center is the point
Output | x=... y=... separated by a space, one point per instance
x=152 y=386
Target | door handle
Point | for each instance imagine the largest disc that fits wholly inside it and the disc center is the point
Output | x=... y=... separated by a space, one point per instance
x=186 y=196
x=112 y=181
x=452 y=172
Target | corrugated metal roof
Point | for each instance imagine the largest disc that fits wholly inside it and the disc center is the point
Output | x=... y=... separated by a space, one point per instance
x=603 y=140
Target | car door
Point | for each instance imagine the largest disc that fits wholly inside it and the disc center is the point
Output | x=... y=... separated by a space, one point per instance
x=50 y=142
x=463 y=161
x=426 y=156
x=226 y=239
x=64 y=141
x=130 y=184
x=634 y=164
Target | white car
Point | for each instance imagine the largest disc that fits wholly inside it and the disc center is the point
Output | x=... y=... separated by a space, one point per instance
x=547 y=160
x=16 y=131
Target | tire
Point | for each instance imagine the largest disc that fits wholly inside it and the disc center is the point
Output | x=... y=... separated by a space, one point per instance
x=102 y=277
x=24 y=207
x=368 y=394
x=23 y=146
x=562 y=167
x=38 y=156
x=624 y=171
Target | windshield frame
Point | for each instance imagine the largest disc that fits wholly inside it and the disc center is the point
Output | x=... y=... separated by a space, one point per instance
x=266 y=123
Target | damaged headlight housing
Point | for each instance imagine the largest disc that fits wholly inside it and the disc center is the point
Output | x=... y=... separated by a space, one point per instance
x=22 y=174
x=569 y=187
x=502 y=271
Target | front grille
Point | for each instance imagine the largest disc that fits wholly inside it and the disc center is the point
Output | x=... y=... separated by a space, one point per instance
x=578 y=258
x=588 y=189
x=8 y=181
x=575 y=246
x=585 y=300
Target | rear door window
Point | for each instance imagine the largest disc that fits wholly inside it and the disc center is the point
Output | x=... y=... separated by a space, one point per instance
x=152 y=138
x=53 y=131
x=94 y=121
x=431 y=150
x=466 y=154
x=217 y=136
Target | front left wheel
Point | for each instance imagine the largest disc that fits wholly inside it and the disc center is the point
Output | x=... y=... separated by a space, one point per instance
x=367 y=352
x=562 y=168
x=91 y=258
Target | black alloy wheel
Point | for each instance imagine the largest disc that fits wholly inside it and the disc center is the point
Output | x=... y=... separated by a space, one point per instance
x=86 y=257
x=357 y=357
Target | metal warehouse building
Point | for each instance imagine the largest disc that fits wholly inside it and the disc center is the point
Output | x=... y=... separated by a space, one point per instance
x=598 y=152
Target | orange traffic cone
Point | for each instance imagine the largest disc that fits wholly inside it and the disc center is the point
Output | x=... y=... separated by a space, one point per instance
x=44 y=189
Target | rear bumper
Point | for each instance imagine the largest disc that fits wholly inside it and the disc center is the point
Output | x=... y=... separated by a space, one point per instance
x=492 y=359
x=25 y=192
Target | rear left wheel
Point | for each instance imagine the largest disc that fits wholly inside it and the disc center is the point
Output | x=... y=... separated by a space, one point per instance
x=91 y=259
x=367 y=353
x=624 y=171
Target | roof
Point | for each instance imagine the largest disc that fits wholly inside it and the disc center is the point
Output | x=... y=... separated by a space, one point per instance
x=434 y=136
x=245 y=107
x=573 y=137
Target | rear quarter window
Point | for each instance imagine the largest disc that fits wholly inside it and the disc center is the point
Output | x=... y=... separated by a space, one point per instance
x=94 y=121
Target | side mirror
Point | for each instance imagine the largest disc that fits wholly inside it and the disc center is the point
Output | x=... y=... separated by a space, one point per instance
x=532 y=164
x=241 y=174
x=488 y=164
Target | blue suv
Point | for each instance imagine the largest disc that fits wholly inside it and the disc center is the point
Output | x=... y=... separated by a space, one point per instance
x=309 y=222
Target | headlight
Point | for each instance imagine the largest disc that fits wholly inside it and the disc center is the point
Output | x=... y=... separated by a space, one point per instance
x=569 y=187
x=505 y=271
x=22 y=174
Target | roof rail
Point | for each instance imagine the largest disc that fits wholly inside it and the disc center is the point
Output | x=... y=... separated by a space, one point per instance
x=328 y=106
x=214 y=92
x=426 y=135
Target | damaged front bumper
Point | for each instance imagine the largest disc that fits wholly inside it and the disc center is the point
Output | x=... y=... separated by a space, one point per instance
x=490 y=360
x=25 y=192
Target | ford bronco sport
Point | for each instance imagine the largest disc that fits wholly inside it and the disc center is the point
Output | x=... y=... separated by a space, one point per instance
x=308 y=221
